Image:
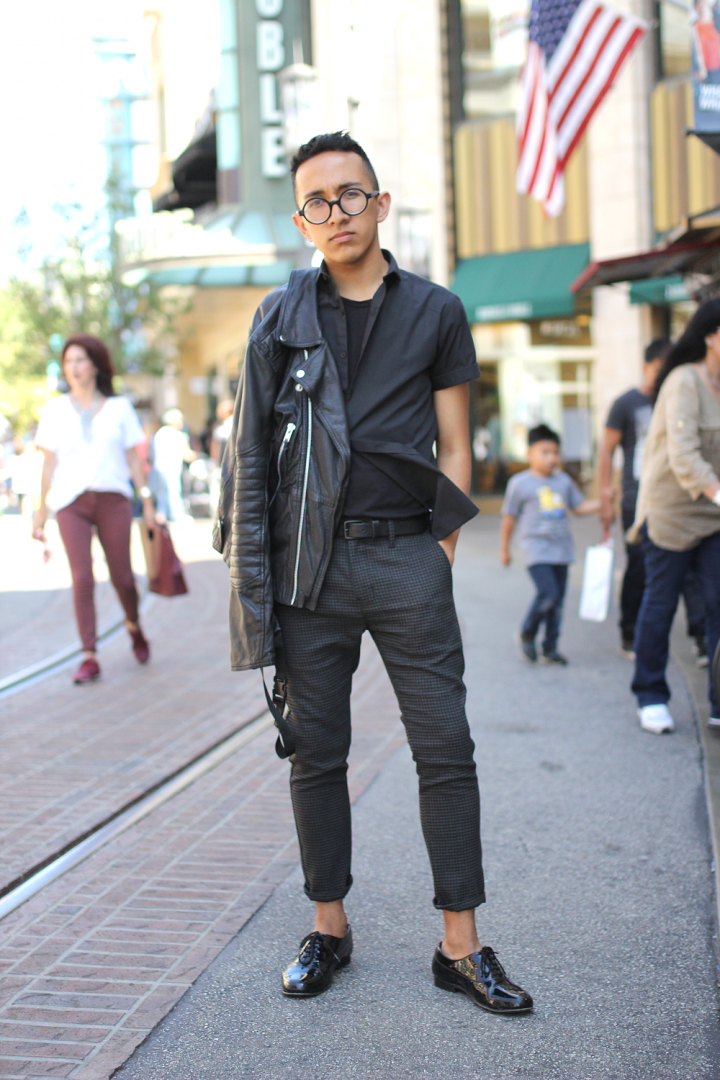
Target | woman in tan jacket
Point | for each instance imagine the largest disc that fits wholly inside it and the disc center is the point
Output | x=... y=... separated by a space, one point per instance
x=678 y=511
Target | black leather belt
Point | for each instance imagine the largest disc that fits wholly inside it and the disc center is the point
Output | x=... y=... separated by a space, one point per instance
x=353 y=529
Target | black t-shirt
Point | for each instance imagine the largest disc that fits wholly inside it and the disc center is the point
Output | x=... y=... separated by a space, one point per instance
x=356 y=316
x=414 y=339
x=630 y=415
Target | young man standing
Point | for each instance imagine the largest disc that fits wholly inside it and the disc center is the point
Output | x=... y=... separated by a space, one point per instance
x=336 y=518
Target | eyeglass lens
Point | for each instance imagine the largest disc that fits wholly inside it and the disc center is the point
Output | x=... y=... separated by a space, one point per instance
x=352 y=202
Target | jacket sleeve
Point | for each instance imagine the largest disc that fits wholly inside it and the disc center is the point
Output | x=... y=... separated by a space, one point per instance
x=682 y=417
x=247 y=540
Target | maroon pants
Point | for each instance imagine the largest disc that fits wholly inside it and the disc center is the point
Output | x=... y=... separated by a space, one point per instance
x=111 y=513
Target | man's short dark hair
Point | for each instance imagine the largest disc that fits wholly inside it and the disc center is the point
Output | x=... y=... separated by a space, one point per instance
x=657 y=349
x=337 y=141
x=542 y=433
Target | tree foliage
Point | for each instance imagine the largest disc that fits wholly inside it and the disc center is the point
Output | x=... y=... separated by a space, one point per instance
x=78 y=287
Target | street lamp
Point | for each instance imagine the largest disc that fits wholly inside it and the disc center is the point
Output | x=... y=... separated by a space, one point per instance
x=299 y=93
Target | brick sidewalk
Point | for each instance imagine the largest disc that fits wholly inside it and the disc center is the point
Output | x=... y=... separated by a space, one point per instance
x=73 y=755
x=36 y=606
x=93 y=962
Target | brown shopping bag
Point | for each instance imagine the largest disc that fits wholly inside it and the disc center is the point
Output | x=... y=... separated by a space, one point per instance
x=165 y=574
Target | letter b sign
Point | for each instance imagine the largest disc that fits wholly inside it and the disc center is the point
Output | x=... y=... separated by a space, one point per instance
x=270 y=50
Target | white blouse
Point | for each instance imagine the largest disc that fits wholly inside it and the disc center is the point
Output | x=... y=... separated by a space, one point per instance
x=92 y=459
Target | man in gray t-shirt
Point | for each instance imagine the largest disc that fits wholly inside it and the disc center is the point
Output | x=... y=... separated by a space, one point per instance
x=540 y=499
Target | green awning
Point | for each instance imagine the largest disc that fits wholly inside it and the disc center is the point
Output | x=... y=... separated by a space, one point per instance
x=531 y=284
x=659 y=290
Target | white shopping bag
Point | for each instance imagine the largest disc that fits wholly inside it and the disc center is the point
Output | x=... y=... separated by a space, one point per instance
x=597 y=582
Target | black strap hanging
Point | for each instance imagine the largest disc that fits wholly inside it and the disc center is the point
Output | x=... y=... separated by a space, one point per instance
x=285 y=744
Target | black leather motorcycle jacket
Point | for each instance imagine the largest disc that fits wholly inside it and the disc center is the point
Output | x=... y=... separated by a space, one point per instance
x=286 y=469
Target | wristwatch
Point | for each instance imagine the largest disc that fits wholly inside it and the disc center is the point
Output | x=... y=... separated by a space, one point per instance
x=145 y=492
x=716 y=497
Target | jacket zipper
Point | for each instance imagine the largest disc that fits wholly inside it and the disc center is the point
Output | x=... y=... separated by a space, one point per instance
x=304 y=496
x=289 y=432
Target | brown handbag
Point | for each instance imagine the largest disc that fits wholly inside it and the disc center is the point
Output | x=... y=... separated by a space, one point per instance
x=165 y=573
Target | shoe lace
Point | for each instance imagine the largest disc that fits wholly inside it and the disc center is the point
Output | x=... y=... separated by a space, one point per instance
x=312 y=948
x=493 y=964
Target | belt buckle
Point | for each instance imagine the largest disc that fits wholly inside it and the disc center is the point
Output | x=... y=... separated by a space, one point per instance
x=368 y=532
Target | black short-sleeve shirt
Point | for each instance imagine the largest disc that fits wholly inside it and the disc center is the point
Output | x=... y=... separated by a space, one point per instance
x=416 y=340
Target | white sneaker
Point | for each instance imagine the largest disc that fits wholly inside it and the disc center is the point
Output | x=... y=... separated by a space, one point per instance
x=656 y=718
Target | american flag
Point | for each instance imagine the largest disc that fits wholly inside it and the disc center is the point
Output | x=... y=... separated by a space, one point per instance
x=576 y=49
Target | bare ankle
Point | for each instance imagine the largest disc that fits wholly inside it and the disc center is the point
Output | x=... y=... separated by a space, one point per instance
x=460 y=938
x=458 y=950
x=331 y=919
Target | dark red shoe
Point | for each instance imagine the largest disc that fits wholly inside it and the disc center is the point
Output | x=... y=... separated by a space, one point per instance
x=140 y=646
x=88 y=671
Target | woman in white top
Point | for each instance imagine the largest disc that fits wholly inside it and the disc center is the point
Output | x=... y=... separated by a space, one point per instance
x=89 y=439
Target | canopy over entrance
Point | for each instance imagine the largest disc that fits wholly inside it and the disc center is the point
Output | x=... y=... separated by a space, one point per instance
x=517 y=285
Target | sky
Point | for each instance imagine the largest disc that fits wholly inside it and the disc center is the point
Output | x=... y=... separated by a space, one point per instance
x=52 y=122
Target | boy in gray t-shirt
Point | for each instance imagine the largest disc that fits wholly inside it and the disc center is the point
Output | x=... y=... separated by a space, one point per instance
x=540 y=498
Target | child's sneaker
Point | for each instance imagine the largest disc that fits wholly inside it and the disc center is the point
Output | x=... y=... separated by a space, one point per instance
x=527 y=648
x=627 y=647
x=553 y=657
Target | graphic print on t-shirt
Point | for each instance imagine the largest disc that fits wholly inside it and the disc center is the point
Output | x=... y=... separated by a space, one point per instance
x=551 y=502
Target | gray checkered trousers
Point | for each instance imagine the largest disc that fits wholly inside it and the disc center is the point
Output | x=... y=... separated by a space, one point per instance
x=401 y=591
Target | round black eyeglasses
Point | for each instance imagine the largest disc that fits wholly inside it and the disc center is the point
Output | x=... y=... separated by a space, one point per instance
x=352 y=202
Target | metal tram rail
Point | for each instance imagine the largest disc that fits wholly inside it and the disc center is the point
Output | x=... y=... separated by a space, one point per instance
x=42 y=874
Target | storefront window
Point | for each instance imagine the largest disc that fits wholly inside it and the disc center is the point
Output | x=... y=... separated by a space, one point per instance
x=494 y=34
x=523 y=384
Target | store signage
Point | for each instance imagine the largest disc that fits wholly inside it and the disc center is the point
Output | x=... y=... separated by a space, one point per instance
x=259 y=40
x=503 y=312
x=270 y=48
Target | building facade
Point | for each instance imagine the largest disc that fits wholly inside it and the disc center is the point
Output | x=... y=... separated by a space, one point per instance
x=430 y=90
x=635 y=180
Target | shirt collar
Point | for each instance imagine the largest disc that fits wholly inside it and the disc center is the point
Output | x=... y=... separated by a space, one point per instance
x=393 y=271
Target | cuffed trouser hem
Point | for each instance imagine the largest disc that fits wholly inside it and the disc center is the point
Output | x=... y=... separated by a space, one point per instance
x=462 y=906
x=326 y=898
x=651 y=699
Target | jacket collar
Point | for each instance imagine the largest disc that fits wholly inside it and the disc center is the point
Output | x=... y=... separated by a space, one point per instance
x=298 y=323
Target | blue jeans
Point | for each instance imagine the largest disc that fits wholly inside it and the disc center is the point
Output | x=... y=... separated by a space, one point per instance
x=665 y=573
x=550 y=581
x=168 y=492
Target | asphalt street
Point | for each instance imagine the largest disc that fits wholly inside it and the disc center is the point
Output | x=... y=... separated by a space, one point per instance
x=599 y=879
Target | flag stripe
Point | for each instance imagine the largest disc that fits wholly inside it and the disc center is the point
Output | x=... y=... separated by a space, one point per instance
x=596 y=84
x=556 y=81
x=583 y=121
x=589 y=73
x=588 y=54
x=558 y=97
x=529 y=86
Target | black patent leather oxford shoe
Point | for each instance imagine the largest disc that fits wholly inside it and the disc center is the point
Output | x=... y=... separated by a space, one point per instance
x=482 y=977
x=312 y=970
